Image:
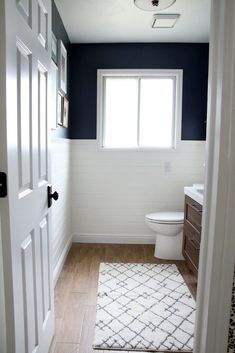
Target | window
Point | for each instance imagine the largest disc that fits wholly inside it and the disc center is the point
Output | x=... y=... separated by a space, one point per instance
x=139 y=109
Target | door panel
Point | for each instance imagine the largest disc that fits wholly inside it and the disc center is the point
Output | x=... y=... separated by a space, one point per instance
x=24 y=103
x=25 y=9
x=29 y=293
x=42 y=123
x=45 y=262
x=42 y=24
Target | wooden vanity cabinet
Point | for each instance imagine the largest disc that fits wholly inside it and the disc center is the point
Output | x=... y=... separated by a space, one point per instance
x=192 y=233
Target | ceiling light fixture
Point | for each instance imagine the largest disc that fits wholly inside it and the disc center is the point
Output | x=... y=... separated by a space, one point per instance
x=164 y=20
x=153 y=5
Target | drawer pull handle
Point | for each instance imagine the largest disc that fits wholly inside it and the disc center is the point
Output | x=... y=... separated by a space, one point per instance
x=195 y=244
x=195 y=208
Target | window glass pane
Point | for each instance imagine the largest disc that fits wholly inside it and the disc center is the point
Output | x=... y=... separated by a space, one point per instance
x=120 y=112
x=156 y=112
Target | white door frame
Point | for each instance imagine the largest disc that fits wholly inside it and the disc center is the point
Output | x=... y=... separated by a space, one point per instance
x=3 y=168
x=217 y=253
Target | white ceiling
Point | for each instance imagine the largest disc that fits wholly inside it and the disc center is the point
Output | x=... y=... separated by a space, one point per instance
x=107 y=21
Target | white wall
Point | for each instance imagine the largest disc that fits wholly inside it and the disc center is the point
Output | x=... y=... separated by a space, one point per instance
x=61 y=210
x=113 y=190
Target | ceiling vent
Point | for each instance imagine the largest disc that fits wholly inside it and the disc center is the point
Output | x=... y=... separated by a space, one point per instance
x=153 y=5
x=164 y=20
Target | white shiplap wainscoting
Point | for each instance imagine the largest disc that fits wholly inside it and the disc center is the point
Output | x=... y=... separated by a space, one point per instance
x=113 y=189
x=61 y=209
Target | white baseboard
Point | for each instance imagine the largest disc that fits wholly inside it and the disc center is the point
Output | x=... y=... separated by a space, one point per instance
x=114 y=238
x=61 y=261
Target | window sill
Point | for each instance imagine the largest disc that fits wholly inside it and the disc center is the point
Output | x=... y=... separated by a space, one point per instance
x=137 y=149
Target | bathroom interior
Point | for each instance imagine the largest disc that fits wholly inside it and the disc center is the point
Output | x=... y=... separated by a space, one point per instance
x=131 y=189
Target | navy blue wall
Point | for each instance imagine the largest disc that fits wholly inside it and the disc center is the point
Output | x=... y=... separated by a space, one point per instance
x=59 y=31
x=85 y=59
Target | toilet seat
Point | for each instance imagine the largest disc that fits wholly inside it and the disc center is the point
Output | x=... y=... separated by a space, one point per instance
x=166 y=217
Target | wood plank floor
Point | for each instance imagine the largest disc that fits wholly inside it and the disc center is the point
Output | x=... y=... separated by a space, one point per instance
x=75 y=292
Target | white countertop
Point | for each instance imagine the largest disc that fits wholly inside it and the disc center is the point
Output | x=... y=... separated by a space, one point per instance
x=195 y=192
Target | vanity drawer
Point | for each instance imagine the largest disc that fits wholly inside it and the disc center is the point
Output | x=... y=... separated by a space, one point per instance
x=191 y=250
x=193 y=213
x=192 y=231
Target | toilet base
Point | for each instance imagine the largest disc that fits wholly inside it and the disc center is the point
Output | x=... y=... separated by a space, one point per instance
x=169 y=247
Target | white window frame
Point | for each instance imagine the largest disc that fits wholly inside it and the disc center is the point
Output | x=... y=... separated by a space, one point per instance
x=177 y=75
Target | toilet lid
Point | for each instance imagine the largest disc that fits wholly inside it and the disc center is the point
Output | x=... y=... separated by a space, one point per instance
x=166 y=217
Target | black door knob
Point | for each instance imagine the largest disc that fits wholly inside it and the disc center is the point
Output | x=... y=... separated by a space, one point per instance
x=51 y=195
x=55 y=195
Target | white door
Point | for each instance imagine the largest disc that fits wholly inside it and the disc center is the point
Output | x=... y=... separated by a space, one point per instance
x=25 y=158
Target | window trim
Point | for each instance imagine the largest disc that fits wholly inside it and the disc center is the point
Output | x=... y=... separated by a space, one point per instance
x=177 y=74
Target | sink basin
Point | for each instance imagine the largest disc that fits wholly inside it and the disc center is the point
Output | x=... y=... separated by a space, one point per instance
x=201 y=191
x=196 y=192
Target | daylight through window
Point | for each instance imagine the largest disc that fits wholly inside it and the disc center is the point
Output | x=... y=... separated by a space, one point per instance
x=139 y=111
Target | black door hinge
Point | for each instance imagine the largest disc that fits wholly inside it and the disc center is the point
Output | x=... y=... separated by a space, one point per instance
x=3 y=184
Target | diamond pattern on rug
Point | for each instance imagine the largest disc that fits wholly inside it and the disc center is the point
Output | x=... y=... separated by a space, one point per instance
x=144 y=307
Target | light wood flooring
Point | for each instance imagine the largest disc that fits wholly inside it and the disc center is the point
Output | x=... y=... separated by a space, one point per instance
x=75 y=292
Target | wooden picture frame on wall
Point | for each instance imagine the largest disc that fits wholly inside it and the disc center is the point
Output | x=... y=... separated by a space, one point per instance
x=59 y=109
x=65 y=112
x=62 y=67
x=54 y=50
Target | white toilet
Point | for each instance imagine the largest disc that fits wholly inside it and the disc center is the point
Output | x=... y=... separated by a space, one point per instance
x=169 y=229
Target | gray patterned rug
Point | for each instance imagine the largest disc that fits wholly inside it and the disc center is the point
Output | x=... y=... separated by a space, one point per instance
x=143 y=307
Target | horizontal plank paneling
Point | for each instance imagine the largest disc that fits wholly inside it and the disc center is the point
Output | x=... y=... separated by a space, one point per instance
x=61 y=210
x=113 y=190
